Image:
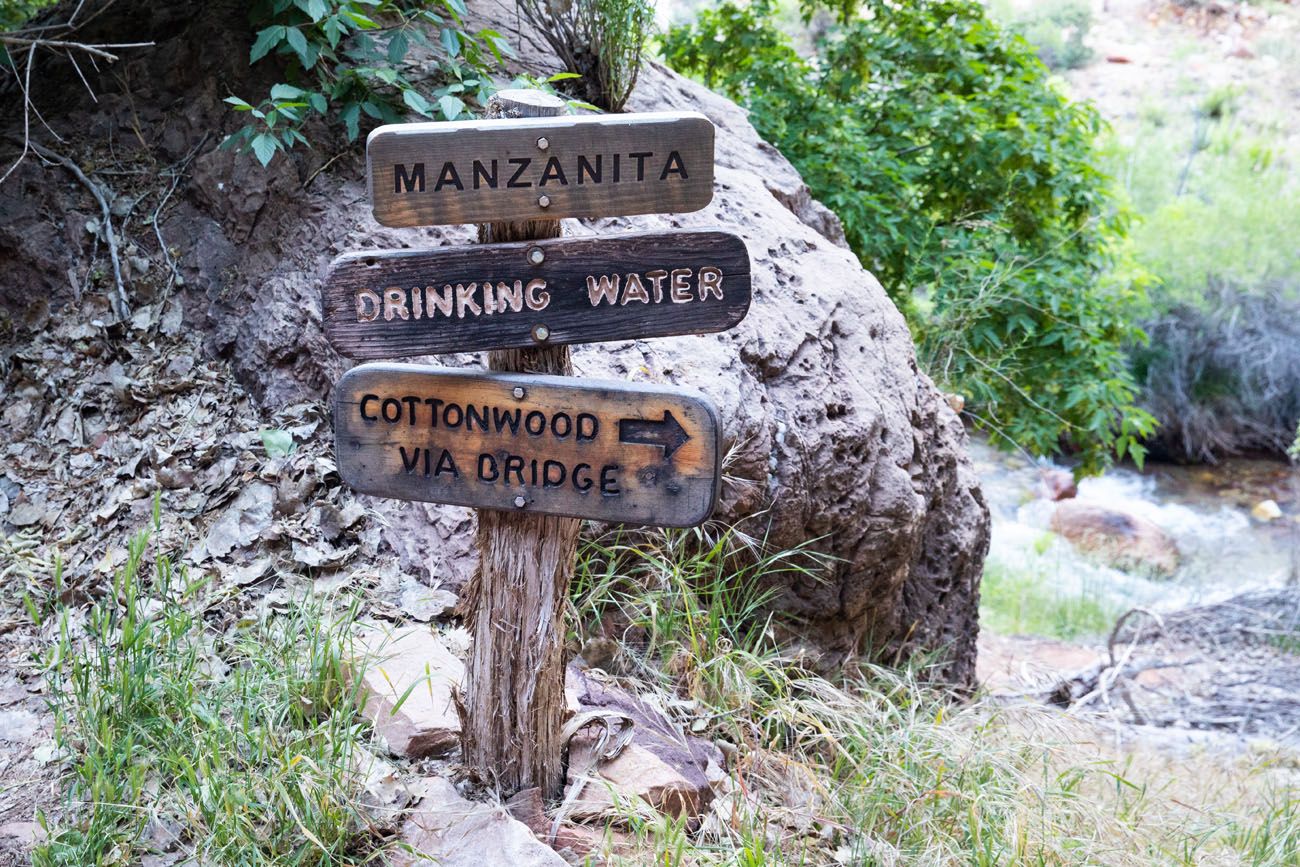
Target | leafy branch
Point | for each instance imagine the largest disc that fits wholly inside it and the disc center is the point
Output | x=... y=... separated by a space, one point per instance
x=348 y=58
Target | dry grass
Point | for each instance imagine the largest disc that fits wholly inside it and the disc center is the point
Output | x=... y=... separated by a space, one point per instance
x=874 y=768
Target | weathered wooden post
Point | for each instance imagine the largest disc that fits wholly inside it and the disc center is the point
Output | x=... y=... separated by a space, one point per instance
x=514 y=678
x=534 y=450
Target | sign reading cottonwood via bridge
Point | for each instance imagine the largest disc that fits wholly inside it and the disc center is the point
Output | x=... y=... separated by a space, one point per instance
x=611 y=451
x=480 y=171
x=389 y=303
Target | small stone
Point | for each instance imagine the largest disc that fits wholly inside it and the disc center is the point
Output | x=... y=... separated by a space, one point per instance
x=424 y=721
x=26 y=833
x=424 y=604
x=1058 y=484
x=18 y=726
x=26 y=514
x=450 y=831
x=1266 y=510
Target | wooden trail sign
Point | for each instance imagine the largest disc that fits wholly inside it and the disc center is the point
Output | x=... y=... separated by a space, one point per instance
x=476 y=171
x=389 y=303
x=522 y=443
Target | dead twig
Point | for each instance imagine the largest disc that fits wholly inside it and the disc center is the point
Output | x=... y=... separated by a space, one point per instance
x=63 y=47
x=97 y=50
x=121 y=307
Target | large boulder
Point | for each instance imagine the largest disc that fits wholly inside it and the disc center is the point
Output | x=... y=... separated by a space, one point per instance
x=836 y=438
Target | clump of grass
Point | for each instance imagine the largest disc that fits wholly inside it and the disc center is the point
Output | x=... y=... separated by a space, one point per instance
x=873 y=767
x=240 y=742
x=1014 y=602
x=694 y=604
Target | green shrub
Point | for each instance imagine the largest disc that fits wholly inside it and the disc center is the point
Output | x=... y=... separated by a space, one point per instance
x=971 y=187
x=601 y=41
x=346 y=58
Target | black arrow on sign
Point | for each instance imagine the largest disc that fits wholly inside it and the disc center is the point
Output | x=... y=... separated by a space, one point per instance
x=667 y=433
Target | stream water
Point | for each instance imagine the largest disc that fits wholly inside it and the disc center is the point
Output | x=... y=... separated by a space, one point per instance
x=1224 y=550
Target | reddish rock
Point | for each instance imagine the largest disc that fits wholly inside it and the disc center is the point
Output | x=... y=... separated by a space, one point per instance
x=662 y=766
x=426 y=723
x=1121 y=539
x=1058 y=484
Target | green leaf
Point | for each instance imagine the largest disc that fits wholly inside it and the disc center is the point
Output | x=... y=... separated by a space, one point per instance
x=351 y=117
x=317 y=101
x=397 y=47
x=417 y=103
x=264 y=147
x=298 y=43
x=562 y=76
x=265 y=41
x=277 y=443
x=286 y=91
x=361 y=21
x=450 y=41
x=238 y=103
x=452 y=107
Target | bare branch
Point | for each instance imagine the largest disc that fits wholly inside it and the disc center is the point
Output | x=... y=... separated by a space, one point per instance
x=97 y=50
x=121 y=308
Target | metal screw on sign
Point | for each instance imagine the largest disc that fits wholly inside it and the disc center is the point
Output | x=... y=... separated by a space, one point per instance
x=519 y=392
x=541 y=333
x=544 y=201
x=536 y=255
x=520 y=502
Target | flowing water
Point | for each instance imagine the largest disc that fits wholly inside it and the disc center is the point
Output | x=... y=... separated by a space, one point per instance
x=1224 y=550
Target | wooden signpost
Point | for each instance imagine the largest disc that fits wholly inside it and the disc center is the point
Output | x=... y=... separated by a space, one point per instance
x=609 y=451
x=390 y=303
x=475 y=171
x=532 y=450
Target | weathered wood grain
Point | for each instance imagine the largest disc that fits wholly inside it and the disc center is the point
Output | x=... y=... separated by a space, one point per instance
x=514 y=678
x=478 y=171
x=528 y=444
x=392 y=303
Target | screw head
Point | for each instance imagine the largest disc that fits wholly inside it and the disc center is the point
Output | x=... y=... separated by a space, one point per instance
x=520 y=502
x=543 y=143
x=536 y=255
x=519 y=392
x=544 y=201
x=541 y=333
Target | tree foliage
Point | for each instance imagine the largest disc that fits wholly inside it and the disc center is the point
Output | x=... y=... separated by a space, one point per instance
x=348 y=58
x=970 y=186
